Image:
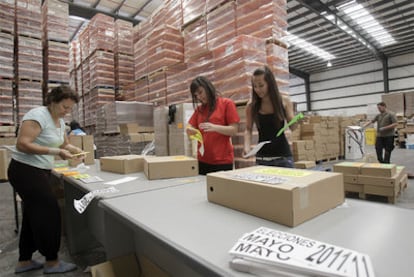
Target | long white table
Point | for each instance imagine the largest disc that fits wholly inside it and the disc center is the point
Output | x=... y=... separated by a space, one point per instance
x=187 y=236
x=85 y=231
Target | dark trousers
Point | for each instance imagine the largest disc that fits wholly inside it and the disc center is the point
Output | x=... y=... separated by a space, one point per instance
x=204 y=168
x=283 y=162
x=384 y=147
x=41 y=223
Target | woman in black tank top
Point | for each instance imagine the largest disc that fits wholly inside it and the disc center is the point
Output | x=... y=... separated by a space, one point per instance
x=268 y=110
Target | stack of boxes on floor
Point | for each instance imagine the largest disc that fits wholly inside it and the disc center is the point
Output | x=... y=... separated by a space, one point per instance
x=377 y=179
x=55 y=25
x=224 y=40
x=402 y=104
x=7 y=33
x=29 y=65
x=320 y=138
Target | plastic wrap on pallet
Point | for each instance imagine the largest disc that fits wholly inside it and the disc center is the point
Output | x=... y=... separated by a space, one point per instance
x=7 y=14
x=101 y=67
x=264 y=19
x=29 y=57
x=173 y=13
x=101 y=33
x=142 y=30
x=221 y=25
x=164 y=47
x=55 y=20
x=56 y=61
x=178 y=83
x=6 y=55
x=84 y=43
x=141 y=90
x=157 y=88
x=6 y=100
x=123 y=37
x=158 y=16
x=124 y=70
x=201 y=64
x=28 y=18
x=195 y=38
x=140 y=60
x=193 y=9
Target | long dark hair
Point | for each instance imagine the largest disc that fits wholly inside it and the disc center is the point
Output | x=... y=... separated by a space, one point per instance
x=273 y=92
x=210 y=90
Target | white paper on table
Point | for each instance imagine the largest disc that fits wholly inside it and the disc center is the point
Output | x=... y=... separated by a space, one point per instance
x=81 y=204
x=120 y=181
x=256 y=149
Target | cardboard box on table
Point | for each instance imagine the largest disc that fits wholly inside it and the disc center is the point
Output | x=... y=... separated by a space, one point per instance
x=87 y=145
x=123 y=164
x=300 y=195
x=170 y=167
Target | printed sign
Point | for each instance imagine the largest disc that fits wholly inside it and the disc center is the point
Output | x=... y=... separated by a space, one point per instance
x=296 y=253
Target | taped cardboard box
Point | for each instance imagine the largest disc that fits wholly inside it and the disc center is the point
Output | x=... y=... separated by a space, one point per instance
x=170 y=167
x=283 y=195
x=379 y=169
x=352 y=168
x=123 y=164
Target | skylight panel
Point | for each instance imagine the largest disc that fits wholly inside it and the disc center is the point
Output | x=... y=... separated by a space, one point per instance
x=367 y=22
x=309 y=47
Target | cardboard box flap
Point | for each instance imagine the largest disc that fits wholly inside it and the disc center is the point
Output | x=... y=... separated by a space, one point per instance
x=379 y=169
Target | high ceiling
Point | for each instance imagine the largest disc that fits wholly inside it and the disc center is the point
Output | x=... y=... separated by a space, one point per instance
x=304 y=20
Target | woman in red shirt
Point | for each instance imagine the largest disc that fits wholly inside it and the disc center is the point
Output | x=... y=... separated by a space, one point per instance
x=217 y=119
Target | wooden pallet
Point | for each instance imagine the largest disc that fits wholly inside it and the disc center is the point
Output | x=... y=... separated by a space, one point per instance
x=372 y=197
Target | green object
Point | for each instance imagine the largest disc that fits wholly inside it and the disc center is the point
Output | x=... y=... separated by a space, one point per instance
x=293 y=121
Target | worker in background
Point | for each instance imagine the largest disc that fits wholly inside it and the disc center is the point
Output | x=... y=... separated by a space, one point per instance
x=41 y=136
x=76 y=129
x=268 y=110
x=386 y=123
x=216 y=118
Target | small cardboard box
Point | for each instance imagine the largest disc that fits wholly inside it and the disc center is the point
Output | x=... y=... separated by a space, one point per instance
x=120 y=266
x=283 y=195
x=305 y=164
x=86 y=144
x=353 y=168
x=123 y=164
x=379 y=170
x=170 y=167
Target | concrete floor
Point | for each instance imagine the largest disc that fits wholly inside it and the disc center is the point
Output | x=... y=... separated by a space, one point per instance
x=9 y=239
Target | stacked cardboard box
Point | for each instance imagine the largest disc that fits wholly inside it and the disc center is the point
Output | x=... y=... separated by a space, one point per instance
x=6 y=101
x=178 y=141
x=373 y=179
x=6 y=55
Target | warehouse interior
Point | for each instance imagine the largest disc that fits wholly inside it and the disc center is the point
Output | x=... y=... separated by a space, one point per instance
x=132 y=61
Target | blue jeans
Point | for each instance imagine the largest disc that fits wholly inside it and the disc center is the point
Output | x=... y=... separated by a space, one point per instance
x=282 y=162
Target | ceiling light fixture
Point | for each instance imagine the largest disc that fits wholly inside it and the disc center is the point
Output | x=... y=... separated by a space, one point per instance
x=367 y=22
x=309 y=47
x=329 y=64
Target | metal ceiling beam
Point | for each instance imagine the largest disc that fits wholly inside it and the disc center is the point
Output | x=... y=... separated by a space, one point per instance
x=88 y=13
x=318 y=7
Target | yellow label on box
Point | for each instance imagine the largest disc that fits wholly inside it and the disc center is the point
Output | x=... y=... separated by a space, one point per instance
x=180 y=158
x=284 y=172
x=180 y=125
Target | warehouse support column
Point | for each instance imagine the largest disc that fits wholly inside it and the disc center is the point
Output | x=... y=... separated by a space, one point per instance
x=385 y=74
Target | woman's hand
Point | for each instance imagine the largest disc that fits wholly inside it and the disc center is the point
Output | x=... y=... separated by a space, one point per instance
x=208 y=127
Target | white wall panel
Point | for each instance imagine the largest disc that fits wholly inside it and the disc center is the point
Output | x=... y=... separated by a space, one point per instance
x=346 y=92
x=404 y=71
x=351 y=101
x=347 y=81
x=402 y=84
x=337 y=73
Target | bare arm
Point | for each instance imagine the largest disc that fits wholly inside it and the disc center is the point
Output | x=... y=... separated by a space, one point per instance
x=29 y=131
x=248 y=130
x=288 y=105
x=227 y=130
